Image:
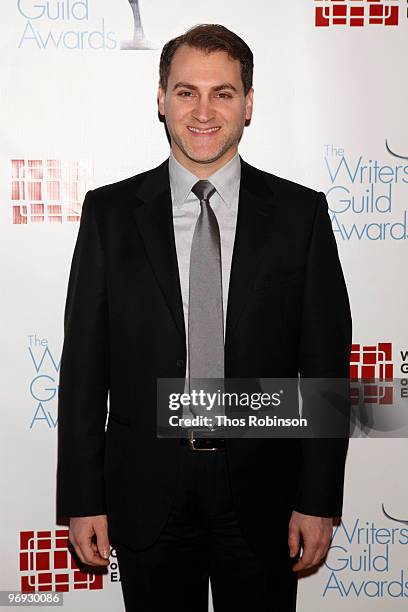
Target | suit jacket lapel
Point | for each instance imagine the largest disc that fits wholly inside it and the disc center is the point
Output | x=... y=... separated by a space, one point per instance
x=253 y=231
x=154 y=218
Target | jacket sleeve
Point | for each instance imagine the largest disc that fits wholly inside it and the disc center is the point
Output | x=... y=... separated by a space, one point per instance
x=84 y=377
x=324 y=353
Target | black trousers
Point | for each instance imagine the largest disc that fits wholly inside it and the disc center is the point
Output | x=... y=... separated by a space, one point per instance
x=202 y=540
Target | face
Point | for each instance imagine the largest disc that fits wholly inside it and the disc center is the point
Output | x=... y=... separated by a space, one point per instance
x=205 y=108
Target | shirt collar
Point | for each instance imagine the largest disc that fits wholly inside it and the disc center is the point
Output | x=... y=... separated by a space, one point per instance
x=225 y=180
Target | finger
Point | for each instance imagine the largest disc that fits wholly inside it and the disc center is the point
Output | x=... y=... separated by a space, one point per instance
x=293 y=541
x=102 y=540
x=305 y=561
x=90 y=556
x=324 y=546
x=321 y=547
x=77 y=551
x=322 y=553
x=316 y=558
x=325 y=550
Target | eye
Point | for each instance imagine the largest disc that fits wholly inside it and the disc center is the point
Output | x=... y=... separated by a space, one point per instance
x=182 y=94
x=225 y=95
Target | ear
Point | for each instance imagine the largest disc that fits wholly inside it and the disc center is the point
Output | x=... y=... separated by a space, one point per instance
x=160 y=99
x=249 y=103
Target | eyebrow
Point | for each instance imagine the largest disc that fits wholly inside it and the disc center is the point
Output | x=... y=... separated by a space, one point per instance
x=194 y=87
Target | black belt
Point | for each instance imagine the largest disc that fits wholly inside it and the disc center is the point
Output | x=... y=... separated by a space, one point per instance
x=204 y=444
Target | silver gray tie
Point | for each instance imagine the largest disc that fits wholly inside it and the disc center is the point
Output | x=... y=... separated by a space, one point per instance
x=205 y=315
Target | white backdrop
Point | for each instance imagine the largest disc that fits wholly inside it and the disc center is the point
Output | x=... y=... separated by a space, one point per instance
x=79 y=112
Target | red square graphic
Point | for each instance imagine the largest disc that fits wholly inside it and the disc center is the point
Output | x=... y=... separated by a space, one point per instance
x=370 y=357
x=46 y=564
x=26 y=585
x=339 y=14
x=352 y=12
x=322 y=17
x=48 y=191
x=45 y=578
x=60 y=559
x=356 y=16
x=24 y=565
x=392 y=15
x=44 y=539
x=35 y=168
x=376 y=10
x=369 y=364
x=42 y=560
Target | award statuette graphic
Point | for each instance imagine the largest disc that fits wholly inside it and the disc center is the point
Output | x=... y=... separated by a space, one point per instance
x=139 y=40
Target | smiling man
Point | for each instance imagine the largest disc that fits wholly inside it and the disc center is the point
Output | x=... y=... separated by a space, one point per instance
x=204 y=267
x=205 y=116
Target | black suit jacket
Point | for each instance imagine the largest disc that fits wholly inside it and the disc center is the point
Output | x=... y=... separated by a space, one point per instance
x=288 y=313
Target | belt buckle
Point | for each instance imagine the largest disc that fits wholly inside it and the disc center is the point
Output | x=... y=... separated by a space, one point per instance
x=191 y=441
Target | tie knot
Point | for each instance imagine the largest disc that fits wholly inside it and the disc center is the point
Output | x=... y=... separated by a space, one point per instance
x=203 y=190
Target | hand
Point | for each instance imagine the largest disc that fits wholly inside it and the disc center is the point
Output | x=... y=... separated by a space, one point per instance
x=81 y=530
x=316 y=532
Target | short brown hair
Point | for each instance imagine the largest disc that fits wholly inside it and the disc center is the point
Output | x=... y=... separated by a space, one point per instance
x=210 y=37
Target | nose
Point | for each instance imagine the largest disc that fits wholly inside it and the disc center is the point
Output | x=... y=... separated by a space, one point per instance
x=203 y=110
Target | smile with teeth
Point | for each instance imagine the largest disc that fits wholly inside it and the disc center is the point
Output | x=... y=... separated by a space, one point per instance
x=202 y=131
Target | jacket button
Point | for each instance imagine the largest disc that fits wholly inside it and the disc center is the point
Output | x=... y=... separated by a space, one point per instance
x=180 y=363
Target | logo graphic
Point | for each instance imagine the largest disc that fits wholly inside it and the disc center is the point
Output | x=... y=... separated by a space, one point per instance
x=356 y=13
x=392 y=152
x=364 y=563
x=74 y=25
x=46 y=564
x=43 y=386
x=364 y=194
x=139 y=40
x=404 y=522
x=370 y=364
x=48 y=191
x=63 y=25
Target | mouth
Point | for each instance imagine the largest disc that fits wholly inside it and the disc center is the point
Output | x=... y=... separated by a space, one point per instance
x=203 y=131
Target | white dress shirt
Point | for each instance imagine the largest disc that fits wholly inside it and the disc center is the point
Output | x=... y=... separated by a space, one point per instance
x=186 y=209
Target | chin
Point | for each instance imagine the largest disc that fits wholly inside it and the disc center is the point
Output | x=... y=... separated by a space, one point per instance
x=204 y=156
x=205 y=159
x=201 y=155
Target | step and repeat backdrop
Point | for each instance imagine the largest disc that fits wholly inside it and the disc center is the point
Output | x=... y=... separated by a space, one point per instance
x=78 y=83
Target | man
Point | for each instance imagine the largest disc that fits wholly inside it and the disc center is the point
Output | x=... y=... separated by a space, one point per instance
x=136 y=311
